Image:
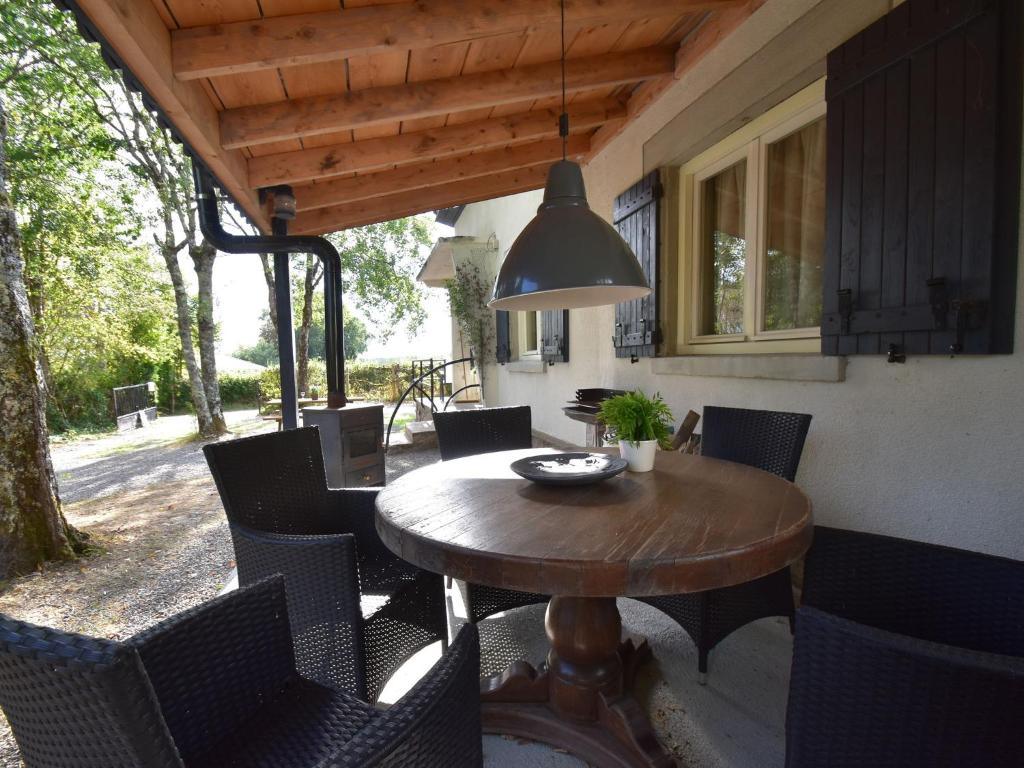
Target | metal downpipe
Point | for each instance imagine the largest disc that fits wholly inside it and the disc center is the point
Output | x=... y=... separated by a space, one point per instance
x=213 y=231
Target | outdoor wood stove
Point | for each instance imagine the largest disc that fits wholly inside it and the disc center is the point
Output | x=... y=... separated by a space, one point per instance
x=353 y=441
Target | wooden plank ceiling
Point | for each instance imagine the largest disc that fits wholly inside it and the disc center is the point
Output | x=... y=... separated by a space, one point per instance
x=376 y=109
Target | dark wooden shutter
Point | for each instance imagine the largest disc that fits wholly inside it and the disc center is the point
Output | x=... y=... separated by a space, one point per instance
x=554 y=333
x=503 y=348
x=924 y=133
x=636 y=216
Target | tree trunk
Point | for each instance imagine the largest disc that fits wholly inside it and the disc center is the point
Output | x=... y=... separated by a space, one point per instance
x=302 y=348
x=203 y=257
x=268 y=276
x=32 y=526
x=170 y=253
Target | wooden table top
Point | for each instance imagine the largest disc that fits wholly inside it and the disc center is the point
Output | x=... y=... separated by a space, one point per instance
x=694 y=523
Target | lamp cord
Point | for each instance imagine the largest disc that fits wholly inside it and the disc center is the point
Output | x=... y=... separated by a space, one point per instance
x=563 y=119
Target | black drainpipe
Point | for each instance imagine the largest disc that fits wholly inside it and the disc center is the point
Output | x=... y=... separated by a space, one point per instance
x=280 y=244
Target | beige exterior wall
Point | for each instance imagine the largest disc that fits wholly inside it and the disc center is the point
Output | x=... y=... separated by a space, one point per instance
x=932 y=450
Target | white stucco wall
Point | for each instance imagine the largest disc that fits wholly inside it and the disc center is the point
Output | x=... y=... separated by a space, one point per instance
x=931 y=450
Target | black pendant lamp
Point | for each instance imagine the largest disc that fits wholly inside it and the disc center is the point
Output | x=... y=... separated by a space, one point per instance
x=567 y=256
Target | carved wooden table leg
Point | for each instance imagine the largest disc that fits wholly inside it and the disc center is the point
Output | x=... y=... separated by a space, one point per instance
x=580 y=701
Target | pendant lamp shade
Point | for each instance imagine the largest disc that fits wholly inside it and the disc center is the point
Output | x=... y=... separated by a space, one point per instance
x=567 y=256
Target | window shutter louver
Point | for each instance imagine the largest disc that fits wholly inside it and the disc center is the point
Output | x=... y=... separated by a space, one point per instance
x=923 y=185
x=554 y=331
x=636 y=216
x=503 y=348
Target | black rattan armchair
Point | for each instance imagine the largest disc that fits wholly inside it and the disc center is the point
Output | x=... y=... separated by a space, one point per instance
x=769 y=440
x=357 y=611
x=217 y=686
x=485 y=430
x=906 y=654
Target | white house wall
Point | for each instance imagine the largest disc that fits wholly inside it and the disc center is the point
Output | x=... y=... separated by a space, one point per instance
x=931 y=450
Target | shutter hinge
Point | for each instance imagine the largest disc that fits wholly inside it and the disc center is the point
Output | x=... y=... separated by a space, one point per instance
x=968 y=314
x=845 y=309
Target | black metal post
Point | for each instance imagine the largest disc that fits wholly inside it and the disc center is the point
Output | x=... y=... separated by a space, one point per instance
x=209 y=222
x=285 y=334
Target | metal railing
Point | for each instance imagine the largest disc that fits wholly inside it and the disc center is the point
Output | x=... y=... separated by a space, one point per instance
x=131 y=399
x=434 y=372
x=432 y=377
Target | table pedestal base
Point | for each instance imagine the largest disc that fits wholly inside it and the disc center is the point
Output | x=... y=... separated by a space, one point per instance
x=579 y=700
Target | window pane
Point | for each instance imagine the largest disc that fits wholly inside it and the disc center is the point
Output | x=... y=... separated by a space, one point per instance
x=530 y=342
x=723 y=257
x=795 y=229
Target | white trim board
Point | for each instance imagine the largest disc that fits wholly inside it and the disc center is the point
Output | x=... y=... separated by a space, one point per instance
x=782 y=367
x=778 y=51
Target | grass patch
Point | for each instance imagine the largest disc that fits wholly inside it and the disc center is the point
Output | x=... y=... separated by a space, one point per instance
x=401 y=421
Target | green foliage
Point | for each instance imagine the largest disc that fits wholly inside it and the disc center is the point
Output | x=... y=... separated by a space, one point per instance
x=264 y=351
x=380 y=263
x=634 y=417
x=467 y=296
x=372 y=381
x=172 y=388
x=727 y=284
x=239 y=389
x=270 y=383
x=357 y=337
x=109 y=330
x=101 y=306
x=378 y=381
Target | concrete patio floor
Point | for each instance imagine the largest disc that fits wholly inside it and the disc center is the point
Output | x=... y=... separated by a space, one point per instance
x=737 y=720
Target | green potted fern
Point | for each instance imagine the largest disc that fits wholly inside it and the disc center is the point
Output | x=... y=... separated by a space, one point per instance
x=640 y=424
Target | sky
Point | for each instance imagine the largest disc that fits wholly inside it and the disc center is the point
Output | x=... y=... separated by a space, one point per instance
x=240 y=296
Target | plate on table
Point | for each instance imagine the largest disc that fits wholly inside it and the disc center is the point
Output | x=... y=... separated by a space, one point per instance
x=568 y=468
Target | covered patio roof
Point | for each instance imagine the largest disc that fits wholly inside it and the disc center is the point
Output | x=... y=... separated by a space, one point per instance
x=375 y=109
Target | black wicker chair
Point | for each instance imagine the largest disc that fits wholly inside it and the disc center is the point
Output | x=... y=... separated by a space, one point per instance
x=906 y=654
x=284 y=519
x=769 y=440
x=217 y=686
x=485 y=430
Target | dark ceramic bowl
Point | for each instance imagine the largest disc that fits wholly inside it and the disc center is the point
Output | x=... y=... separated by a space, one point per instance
x=568 y=468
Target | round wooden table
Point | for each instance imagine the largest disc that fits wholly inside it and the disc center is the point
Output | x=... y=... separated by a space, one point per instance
x=694 y=523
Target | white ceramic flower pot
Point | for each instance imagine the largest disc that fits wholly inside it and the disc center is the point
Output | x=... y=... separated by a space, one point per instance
x=639 y=455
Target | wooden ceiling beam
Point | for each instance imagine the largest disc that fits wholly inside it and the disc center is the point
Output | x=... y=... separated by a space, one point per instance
x=410 y=203
x=260 y=124
x=375 y=154
x=309 y=38
x=141 y=39
x=437 y=172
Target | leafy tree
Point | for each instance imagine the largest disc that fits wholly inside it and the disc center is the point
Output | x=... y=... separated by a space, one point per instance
x=98 y=304
x=264 y=351
x=379 y=266
x=32 y=526
x=47 y=65
x=357 y=337
x=379 y=263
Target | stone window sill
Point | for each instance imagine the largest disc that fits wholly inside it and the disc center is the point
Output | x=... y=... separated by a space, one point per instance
x=785 y=367
x=528 y=366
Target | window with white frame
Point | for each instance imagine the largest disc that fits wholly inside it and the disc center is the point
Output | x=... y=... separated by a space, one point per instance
x=752 y=235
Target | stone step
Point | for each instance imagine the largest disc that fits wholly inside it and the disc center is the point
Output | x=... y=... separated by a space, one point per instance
x=399 y=439
x=421 y=434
